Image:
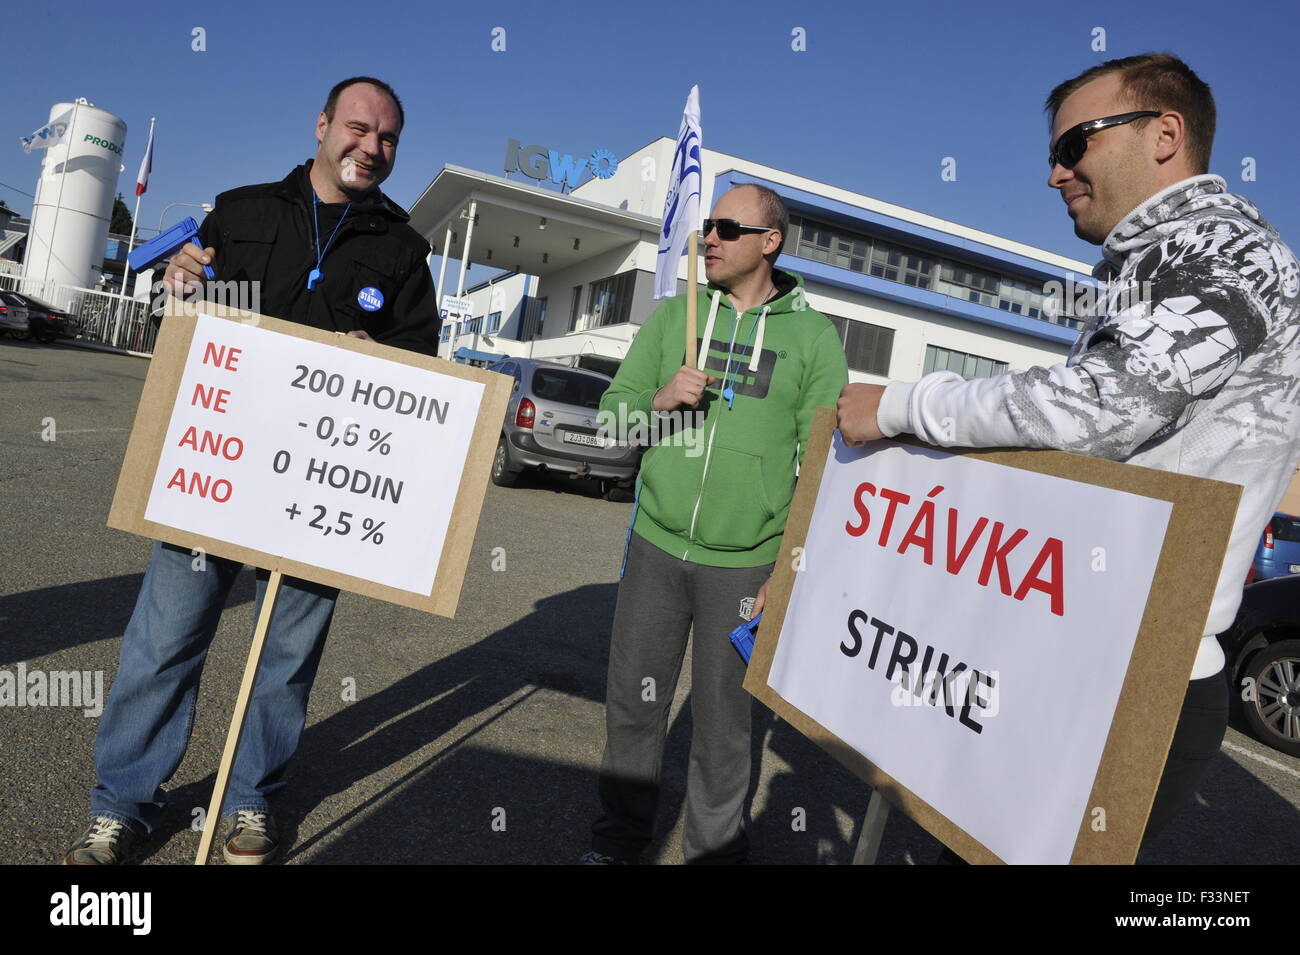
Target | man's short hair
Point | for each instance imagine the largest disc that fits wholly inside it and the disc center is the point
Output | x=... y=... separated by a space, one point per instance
x=775 y=214
x=333 y=99
x=1156 y=81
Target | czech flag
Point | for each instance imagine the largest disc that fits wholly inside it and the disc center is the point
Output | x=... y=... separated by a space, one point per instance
x=146 y=167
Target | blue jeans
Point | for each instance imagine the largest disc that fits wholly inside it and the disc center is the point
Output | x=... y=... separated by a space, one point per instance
x=145 y=727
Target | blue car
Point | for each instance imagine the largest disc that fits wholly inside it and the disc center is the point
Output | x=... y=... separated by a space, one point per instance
x=1279 y=549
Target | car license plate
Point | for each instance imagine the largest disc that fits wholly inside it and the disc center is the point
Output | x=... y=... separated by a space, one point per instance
x=1295 y=568
x=590 y=440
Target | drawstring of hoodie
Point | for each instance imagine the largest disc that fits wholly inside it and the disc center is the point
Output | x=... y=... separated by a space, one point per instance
x=708 y=330
x=756 y=333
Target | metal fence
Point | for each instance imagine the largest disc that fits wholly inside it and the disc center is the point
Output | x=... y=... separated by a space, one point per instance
x=94 y=316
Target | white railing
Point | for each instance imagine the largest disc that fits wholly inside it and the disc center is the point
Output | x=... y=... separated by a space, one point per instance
x=94 y=316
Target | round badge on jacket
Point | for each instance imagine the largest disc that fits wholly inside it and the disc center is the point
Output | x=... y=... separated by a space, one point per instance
x=370 y=298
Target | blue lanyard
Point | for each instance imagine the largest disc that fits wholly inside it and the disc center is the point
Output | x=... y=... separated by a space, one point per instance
x=728 y=392
x=314 y=278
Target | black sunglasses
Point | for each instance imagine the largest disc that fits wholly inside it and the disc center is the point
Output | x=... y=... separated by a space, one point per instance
x=729 y=230
x=1073 y=143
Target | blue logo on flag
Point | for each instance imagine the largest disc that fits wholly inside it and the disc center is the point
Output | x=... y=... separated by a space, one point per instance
x=370 y=298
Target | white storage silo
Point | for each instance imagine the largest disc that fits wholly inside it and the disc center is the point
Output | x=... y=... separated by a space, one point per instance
x=74 y=197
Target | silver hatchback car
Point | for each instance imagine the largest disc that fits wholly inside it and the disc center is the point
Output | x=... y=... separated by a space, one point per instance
x=551 y=424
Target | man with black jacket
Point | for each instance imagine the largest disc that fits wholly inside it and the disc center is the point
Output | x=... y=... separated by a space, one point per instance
x=325 y=248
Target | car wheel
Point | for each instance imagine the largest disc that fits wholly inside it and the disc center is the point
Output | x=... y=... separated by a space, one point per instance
x=619 y=494
x=1273 y=707
x=503 y=475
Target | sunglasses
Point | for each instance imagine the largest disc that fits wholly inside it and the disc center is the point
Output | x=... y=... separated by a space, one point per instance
x=1073 y=143
x=729 y=230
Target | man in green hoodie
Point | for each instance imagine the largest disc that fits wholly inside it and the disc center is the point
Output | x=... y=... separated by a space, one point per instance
x=707 y=527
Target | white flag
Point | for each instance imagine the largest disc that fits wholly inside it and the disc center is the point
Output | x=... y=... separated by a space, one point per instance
x=682 y=204
x=51 y=134
x=146 y=166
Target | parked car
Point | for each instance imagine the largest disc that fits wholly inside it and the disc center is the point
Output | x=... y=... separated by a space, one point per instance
x=1263 y=651
x=551 y=424
x=1278 y=553
x=13 y=315
x=45 y=322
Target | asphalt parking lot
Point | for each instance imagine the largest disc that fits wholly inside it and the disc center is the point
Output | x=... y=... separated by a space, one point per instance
x=456 y=724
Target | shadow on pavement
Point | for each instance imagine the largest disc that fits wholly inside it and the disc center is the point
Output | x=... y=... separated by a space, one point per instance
x=472 y=802
x=1264 y=827
x=562 y=645
x=36 y=623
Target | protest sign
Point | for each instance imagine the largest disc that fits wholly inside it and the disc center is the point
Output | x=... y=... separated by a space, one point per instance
x=337 y=460
x=999 y=641
x=312 y=454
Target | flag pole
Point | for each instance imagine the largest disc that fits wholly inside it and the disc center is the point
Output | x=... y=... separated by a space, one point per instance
x=681 y=222
x=237 y=719
x=130 y=243
x=692 y=279
x=58 y=204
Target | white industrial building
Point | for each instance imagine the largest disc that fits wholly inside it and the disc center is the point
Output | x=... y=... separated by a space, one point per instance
x=909 y=291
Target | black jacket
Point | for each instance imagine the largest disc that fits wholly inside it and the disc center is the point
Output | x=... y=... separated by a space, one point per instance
x=265 y=234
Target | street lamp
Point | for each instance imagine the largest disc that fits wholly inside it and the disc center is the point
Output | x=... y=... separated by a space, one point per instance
x=205 y=206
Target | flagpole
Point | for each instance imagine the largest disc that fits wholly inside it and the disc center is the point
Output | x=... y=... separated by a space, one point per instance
x=681 y=222
x=130 y=243
x=692 y=279
x=58 y=201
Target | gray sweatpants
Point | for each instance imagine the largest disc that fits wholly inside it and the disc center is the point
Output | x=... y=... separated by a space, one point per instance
x=659 y=598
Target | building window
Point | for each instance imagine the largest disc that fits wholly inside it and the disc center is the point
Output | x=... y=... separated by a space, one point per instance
x=867 y=347
x=473 y=326
x=873 y=256
x=1063 y=311
x=811 y=241
x=885 y=263
x=968 y=366
x=610 y=300
x=969 y=284
x=575 y=308
x=1019 y=298
x=534 y=319
x=446 y=331
x=494 y=323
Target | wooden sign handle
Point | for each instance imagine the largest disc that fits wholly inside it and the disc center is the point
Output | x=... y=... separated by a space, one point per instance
x=213 y=819
x=692 y=251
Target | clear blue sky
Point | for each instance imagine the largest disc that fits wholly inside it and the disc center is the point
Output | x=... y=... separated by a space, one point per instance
x=877 y=101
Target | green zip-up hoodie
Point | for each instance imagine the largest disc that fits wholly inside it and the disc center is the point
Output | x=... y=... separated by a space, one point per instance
x=722 y=499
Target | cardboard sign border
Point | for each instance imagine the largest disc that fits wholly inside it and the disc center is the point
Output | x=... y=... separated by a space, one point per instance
x=1155 y=683
x=154 y=413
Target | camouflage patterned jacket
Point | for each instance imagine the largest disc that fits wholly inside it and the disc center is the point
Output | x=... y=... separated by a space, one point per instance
x=1190 y=365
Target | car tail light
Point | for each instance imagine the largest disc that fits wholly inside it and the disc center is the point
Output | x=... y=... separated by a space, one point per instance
x=1268 y=536
x=527 y=414
x=3 y=309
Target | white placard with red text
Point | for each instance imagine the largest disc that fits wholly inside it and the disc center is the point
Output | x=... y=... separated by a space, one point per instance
x=319 y=454
x=1038 y=627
